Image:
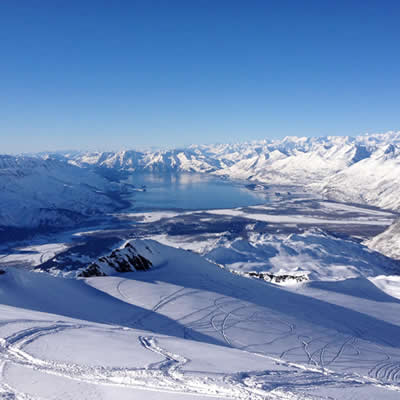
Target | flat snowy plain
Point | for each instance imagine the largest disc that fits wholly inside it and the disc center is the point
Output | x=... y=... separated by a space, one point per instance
x=194 y=326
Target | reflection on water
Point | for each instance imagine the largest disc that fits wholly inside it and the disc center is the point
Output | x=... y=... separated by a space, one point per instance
x=188 y=191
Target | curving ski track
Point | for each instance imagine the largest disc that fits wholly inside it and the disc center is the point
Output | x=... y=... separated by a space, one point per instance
x=172 y=374
x=166 y=375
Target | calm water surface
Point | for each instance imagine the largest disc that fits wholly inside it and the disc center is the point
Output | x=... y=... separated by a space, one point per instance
x=188 y=191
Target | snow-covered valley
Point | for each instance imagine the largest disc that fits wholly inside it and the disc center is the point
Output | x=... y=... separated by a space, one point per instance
x=293 y=294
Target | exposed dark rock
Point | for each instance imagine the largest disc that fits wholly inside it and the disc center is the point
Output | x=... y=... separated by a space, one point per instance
x=91 y=270
x=266 y=276
x=125 y=259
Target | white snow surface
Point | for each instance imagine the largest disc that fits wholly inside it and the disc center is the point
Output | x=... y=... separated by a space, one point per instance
x=295 y=219
x=190 y=329
x=313 y=254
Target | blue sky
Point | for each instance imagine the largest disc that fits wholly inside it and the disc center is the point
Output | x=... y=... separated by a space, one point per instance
x=121 y=74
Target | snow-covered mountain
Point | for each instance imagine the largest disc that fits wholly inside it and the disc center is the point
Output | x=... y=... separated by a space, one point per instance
x=188 y=160
x=38 y=192
x=65 y=188
x=364 y=169
x=374 y=180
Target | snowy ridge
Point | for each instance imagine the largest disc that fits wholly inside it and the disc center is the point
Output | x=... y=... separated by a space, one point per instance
x=161 y=161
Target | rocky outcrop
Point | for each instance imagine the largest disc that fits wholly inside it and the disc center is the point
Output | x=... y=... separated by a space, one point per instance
x=268 y=277
x=124 y=259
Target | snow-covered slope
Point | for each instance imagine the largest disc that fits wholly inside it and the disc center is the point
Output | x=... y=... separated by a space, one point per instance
x=189 y=329
x=388 y=242
x=313 y=255
x=374 y=180
x=38 y=192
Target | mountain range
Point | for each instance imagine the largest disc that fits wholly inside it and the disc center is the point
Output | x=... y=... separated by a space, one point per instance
x=67 y=187
x=364 y=169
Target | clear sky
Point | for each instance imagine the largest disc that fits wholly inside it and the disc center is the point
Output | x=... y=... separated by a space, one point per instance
x=124 y=73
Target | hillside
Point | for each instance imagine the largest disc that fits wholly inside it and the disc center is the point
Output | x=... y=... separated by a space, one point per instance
x=36 y=192
x=187 y=327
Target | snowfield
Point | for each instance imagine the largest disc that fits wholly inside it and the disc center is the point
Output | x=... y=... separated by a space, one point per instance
x=187 y=328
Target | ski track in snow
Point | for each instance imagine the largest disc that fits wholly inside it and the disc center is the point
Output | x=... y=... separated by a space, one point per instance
x=331 y=350
x=168 y=375
x=222 y=315
x=165 y=375
x=317 y=359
